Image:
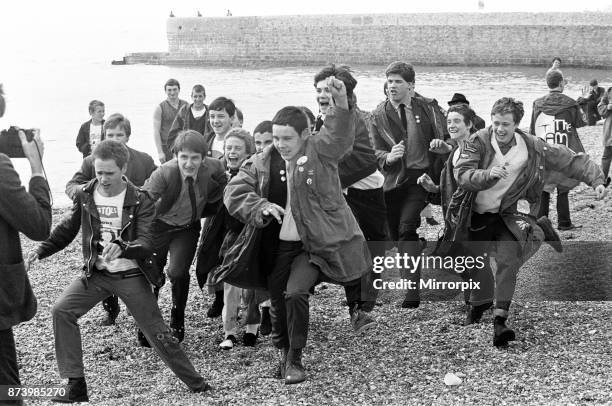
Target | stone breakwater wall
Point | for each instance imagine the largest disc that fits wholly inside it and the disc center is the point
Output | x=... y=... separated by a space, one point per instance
x=580 y=39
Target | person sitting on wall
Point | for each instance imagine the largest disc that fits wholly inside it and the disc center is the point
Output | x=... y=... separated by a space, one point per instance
x=591 y=96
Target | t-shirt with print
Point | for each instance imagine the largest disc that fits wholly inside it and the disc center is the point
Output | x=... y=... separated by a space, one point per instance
x=110 y=211
x=95 y=134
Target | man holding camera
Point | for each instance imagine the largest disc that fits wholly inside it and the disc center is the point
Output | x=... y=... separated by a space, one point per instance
x=29 y=213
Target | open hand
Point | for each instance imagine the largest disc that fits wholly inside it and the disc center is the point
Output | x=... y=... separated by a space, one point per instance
x=111 y=252
x=397 y=151
x=275 y=211
x=425 y=181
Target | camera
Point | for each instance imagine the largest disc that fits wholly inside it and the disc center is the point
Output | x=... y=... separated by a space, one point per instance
x=10 y=144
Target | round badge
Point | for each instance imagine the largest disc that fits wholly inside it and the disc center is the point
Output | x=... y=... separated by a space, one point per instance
x=301 y=169
x=283 y=178
x=309 y=181
x=282 y=171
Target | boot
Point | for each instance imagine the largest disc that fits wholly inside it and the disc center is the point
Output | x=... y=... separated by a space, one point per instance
x=282 y=362
x=265 y=327
x=360 y=320
x=501 y=333
x=551 y=237
x=177 y=324
x=294 y=371
x=111 y=306
x=474 y=313
x=74 y=391
x=217 y=307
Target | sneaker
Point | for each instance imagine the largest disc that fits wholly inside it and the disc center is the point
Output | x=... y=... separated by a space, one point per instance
x=74 y=391
x=249 y=339
x=550 y=235
x=361 y=321
x=229 y=342
x=265 y=327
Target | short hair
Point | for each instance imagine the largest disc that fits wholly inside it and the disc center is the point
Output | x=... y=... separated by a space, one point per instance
x=554 y=79
x=593 y=82
x=507 y=105
x=2 y=102
x=385 y=88
x=111 y=149
x=199 y=89
x=340 y=72
x=310 y=115
x=291 y=116
x=263 y=127
x=405 y=70
x=239 y=115
x=245 y=136
x=190 y=140
x=172 y=82
x=223 y=103
x=118 y=120
x=466 y=112
x=93 y=104
x=556 y=58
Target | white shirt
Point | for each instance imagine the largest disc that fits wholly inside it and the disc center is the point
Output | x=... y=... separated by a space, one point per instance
x=217 y=147
x=198 y=113
x=288 y=231
x=95 y=134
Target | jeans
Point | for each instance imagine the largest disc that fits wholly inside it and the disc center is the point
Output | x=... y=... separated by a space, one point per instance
x=136 y=293
x=231 y=306
x=563 y=211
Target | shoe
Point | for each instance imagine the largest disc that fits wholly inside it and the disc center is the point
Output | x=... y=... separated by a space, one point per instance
x=111 y=306
x=294 y=370
x=217 y=307
x=142 y=340
x=550 y=235
x=249 y=339
x=502 y=334
x=474 y=313
x=229 y=342
x=204 y=388
x=265 y=327
x=282 y=362
x=360 y=320
x=177 y=323
x=410 y=302
x=74 y=391
x=568 y=228
x=431 y=221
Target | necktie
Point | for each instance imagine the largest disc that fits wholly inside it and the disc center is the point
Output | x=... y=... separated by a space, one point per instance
x=192 y=198
x=402 y=108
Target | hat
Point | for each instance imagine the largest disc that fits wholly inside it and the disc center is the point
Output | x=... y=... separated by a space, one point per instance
x=457 y=99
x=593 y=82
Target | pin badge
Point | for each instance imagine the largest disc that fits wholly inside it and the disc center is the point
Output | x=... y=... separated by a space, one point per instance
x=309 y=181
x=302 y=160
x=282 y=171
x=301 y=169
x=283 y=178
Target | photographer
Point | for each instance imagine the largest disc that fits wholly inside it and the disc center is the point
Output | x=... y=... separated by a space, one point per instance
x=29 y=213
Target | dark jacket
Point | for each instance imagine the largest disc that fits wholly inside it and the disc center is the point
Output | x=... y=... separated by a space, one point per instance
x=82 y=140
x=139 y=167
x=28 y=213
x=477 y=154
x=326 y=226
x=387 y=130
x=606 y=113
x=555 y=118
x=164 y=185
x=361 y=162
x=135 y=237
x=184 y=120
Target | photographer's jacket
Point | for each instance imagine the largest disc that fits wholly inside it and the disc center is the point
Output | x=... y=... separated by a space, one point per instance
x=28 y=213
x=135 y=237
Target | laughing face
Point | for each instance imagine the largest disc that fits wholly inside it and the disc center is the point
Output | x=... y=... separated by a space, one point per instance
x=220 y=121
x=189 y=162
x=456 y=125
x=287 y=141
x=235 y=152
x=323 y=96
x=503 y=127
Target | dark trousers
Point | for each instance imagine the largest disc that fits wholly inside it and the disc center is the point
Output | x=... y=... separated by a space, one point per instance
x=563 y=211
x=288 y=284
x=606 y=159
x=9 y=371
x=181 y=244
x=370 y=211
x=135 y=292
x=404 y=215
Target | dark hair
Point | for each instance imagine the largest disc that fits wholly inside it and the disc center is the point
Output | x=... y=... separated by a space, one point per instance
x=292 y=116
x=190 y=140
x=556 y=58
x=593 y=82
x=198 y=89
x=93 y=104
x=340 y=72
x=223 y=103
x=385 y=88
x=172 y=82
x=115 y=120
x=554 y=78
x=405 y=70
x=263 y=127
x=310 y=115
x=245 y=136
x=507 y=105
x=468 y=114
x=111 y=149
x=239 y=115
x=2 y=102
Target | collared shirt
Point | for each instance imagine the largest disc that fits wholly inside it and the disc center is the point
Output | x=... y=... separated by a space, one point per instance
x=180 y=212
x=416 y=155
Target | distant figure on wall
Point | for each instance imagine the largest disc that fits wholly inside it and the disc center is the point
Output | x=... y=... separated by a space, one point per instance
x=229 y=13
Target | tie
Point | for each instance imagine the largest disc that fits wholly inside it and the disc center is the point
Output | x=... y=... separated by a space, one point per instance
x=192 y=198
x=403 y=116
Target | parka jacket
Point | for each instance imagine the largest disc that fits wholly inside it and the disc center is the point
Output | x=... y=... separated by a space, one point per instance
x=135 y=238
x=326 y=226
